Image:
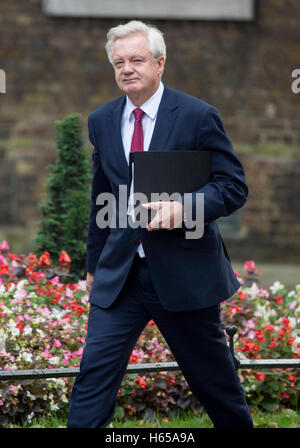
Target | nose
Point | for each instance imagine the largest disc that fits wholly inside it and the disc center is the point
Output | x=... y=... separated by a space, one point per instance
x=127 y=67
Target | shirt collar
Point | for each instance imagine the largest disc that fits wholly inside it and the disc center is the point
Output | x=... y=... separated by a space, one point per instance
x=150 y=107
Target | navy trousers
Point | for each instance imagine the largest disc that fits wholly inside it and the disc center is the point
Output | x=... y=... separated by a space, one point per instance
x=195 y=338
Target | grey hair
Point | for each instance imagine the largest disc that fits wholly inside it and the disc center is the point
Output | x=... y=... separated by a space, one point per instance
x=155 y=37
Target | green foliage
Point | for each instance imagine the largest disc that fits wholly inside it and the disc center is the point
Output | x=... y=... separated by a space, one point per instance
x=65 y=208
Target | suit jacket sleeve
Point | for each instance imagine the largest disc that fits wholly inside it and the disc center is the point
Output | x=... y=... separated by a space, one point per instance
x=227 y=190
x=96 y=236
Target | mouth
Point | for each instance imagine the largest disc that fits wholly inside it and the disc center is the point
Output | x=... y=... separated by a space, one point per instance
x=130 y=80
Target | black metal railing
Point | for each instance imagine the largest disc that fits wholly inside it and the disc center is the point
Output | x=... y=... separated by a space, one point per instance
x=153 y=367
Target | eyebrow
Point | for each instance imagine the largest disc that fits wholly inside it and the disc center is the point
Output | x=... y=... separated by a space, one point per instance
x=119 y=58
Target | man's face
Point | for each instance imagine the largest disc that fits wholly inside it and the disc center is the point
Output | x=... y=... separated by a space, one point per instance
x=137 y=73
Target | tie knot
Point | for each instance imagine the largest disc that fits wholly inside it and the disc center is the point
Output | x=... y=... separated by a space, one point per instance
x=138 y=113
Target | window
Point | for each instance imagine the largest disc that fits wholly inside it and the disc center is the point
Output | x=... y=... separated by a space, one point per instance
x=156 y=9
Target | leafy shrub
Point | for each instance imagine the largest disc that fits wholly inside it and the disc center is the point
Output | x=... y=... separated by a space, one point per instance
x=65 y=208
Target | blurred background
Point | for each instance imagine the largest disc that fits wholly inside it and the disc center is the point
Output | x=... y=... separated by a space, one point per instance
x=237 y=55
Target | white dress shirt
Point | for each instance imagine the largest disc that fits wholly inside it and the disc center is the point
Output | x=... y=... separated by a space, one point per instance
x=150 y=108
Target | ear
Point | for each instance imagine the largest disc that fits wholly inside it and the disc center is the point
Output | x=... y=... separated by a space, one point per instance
x=160 y=64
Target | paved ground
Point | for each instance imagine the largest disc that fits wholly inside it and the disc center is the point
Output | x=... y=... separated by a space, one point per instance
x=288 y=274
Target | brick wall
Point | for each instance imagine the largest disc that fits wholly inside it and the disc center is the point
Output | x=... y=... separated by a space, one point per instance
x=56 y=66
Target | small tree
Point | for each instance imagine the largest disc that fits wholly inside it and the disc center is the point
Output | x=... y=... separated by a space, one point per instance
x=65 y=208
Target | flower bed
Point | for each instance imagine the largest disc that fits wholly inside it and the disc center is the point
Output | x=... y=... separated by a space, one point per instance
x=44 y=322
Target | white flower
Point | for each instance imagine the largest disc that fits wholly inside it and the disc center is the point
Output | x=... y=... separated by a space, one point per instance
x=54 y=360
x=57 y=381
x=292 y=293
x=277 y=286
x=27 y=356
x=58 y=313
x=40 y=332
x=85 y=299
x=32 y=295
x=64 y=398
x=82 y=285
x=2 y=339
x=6 y=310
x=2 y=289
x=21 y=283
x=253 y=291
x=27 y=330
x=53 y=407
x=30 y=416
x=32 y=397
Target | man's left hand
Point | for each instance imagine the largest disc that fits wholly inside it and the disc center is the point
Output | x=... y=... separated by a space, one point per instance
x=169 y=214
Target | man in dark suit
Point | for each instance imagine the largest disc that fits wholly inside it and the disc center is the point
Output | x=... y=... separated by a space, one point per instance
x=138 y=274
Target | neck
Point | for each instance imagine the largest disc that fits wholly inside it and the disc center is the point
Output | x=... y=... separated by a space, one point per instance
x=139 y=99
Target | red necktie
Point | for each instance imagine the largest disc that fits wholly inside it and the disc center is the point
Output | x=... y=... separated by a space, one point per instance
x=137 y=142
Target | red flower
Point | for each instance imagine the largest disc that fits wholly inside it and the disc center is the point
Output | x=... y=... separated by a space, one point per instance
x=286 y=323
x=141 y=382
x=292 y=378
x=250 y=346
x=44 y=259
x=259 y=334
x=233 y=310
x=242 y=295
x=64 y=257
x=133 y=358
x=278 y=299
x=32 y=258
x=284 y=396
x=20 y=326
x=3 y=269
x=259 y=376
x=80 y=309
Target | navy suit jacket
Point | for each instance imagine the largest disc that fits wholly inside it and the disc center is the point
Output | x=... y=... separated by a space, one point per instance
x=187 y=274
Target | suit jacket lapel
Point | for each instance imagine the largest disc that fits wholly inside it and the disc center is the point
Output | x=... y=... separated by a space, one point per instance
x=117 y=148
x=165 y=121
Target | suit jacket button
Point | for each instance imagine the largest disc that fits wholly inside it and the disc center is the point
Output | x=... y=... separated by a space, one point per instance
x=135 y=241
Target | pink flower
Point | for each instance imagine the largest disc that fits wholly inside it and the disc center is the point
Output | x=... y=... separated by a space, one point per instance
x=4 y=245
x=57 y=343
x=249 y=266
x=2 y=260
x=293 y=305
x=251 y=334
x=47 y=355
x=69 y=292
x=250 y=323
x=55 y=280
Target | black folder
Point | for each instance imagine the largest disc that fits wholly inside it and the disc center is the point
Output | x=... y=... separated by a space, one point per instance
x=177 y=171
